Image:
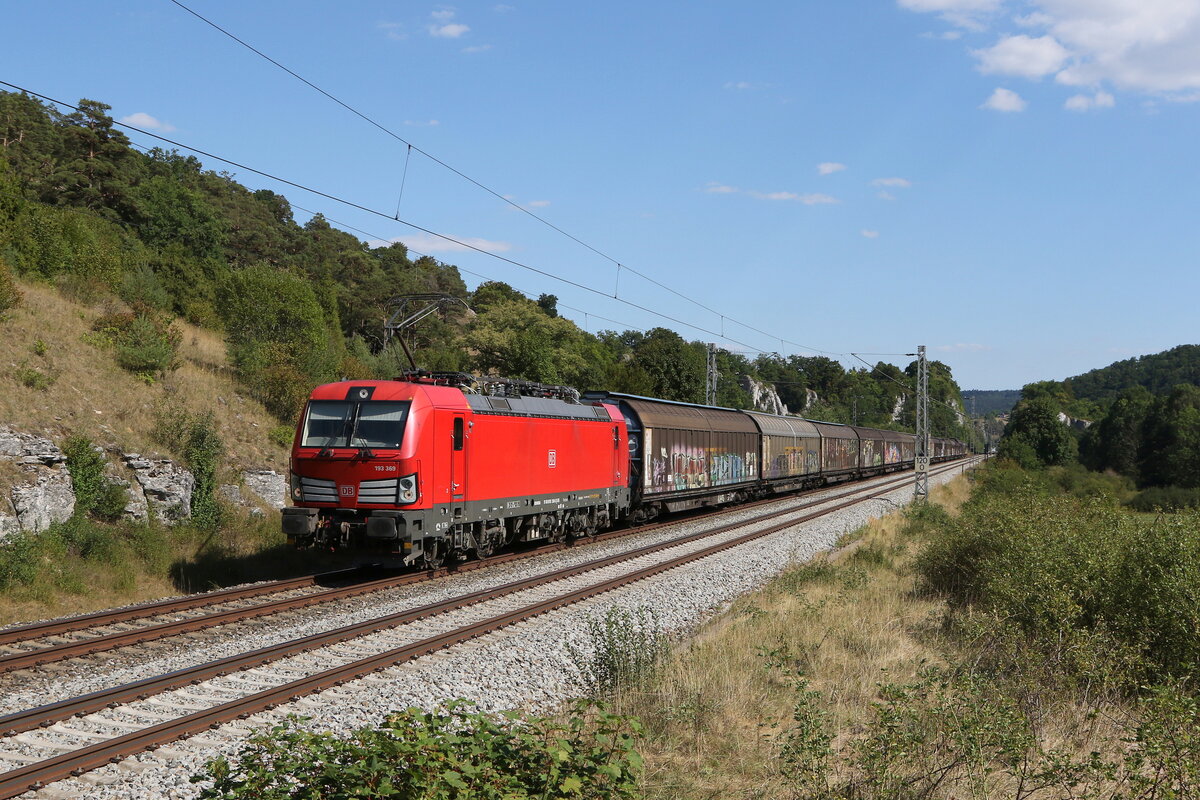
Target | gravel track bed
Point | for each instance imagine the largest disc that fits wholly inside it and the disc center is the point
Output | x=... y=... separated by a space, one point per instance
x=27 y=689
x=526 y=665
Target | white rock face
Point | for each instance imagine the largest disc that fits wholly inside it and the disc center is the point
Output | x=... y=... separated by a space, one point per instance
x=50 y=499
x=47 y=496
x=763 y=396
x=166 y=485
x=268 y=484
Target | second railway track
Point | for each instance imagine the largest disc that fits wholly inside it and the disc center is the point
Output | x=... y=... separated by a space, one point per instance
x=57 y=640
x=123 y=728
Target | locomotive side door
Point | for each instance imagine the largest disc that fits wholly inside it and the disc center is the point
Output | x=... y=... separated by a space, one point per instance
x=458 y=466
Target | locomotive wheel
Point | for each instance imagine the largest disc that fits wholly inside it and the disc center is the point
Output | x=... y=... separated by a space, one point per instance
x=437 y=556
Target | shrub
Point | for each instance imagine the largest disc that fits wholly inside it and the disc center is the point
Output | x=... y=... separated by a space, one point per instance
x=203 y=455
x=452 y=752
x=34 y=378
x=1165 y=498
x=627 y=650
x=145 y=341
x=1078 y=578
x=95 y=494
x=195 y=439
x=10 y=295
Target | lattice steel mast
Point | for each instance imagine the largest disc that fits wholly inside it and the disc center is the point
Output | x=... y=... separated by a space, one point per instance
x=710 y=380
x=921 y=487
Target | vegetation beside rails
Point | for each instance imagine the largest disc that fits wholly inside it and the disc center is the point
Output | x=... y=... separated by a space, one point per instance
x=452 y=752
x=1033 y=641
x=1021 y=636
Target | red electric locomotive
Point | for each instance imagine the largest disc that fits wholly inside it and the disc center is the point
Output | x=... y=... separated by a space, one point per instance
x=437 y=466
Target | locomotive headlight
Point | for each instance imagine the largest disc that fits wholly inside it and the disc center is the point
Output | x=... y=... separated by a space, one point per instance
x=407 y=492
x=294 y=479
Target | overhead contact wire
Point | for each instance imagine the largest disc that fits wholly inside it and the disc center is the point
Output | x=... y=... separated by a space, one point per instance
x=493 y=192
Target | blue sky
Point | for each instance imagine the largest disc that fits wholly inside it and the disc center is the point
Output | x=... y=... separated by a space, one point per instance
x=1013 y=184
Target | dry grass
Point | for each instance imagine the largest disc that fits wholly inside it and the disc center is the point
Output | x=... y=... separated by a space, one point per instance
x=715 y=710
x=93 y=396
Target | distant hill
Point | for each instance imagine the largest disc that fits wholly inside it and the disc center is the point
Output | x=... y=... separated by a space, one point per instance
x=1158 y=373
x=981 y=402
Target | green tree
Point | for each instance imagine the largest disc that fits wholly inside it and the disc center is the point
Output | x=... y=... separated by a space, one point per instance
x=279 y=340
x=675 y=367
x=1035 y=426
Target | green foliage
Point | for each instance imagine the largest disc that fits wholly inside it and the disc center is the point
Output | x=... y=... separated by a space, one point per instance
x=1034 y=435
x=203 y=453
x=962 y=732
x=452 y=752
x=1165 y=498
x=10 y=295
x=1109 y=594
x=1158 y=374
x=94 y=493
x=279 y=340
x=195 y=439
x=627 y=649
x=145 y=342
x=33 y=377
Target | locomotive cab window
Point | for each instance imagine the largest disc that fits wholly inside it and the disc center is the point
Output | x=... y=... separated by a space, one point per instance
x=458 y=433
x=341 y=423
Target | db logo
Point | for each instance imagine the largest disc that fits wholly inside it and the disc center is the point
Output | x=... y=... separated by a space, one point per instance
x=347 y=491
x=552 y=458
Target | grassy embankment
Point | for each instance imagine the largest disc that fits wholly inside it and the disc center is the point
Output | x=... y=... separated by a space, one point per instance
x=60 y=380
x=1023 y=643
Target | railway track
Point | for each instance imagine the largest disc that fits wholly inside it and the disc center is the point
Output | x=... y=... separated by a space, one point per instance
x=52 y=641
x=97 y=739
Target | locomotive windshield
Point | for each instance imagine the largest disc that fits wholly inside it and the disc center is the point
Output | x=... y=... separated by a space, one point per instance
x=342 y=423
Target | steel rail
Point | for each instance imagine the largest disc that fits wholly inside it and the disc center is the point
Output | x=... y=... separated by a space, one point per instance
x=42 y=716
x=104 y=642
x=36 y=775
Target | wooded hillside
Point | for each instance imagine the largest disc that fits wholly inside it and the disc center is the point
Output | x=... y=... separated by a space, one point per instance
x=301 y=303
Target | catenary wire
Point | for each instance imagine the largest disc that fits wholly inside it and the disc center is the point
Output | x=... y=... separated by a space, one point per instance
x=413 y=225
x=619 y=264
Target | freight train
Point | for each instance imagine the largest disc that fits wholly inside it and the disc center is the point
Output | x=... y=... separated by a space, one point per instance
x=439 y=466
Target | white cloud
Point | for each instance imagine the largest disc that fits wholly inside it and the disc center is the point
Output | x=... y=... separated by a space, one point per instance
x=807 y=199
x=538 y=203
x=899 y=183
x=774 y=195
x=393 y=30
x=829 y=167
x=428 y=243
x=962 y=347
x=442 y=14
x=869 y=234
x=1022 y=55
x=739 y=85
x=1081 y=102
x=478 y=48
x=1004 y=100
x=1146 y=46
x=886 y=196
x=969 y=14
x=429 y=123
x=143 y=120
x=452 y=30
